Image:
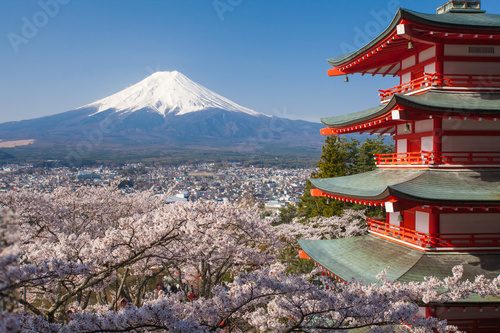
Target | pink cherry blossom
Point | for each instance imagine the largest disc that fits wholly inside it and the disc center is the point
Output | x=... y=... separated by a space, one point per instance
x=98 y=260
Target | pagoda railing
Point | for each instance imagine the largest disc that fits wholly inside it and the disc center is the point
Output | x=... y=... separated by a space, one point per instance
x=429 y=80
x=432 y=158
x=425 y=240
x=426 y=81
x=407 y=235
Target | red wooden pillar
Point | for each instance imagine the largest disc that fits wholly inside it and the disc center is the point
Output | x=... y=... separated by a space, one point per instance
x=429 y=312
x=409 y=219
x=439 y=59
x=437 y=139
x=434 y=227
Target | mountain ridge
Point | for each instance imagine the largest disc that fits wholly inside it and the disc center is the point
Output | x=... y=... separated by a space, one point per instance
x=167 y=110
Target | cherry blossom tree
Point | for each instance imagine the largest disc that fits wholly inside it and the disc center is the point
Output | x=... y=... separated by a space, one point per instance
x=126 y=243
x=351 y=223
x=268 y=299
x=97 y=260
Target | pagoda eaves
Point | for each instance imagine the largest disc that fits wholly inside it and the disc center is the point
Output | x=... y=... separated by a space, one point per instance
x=383 y=54
x=401 y=108
x=440 y=188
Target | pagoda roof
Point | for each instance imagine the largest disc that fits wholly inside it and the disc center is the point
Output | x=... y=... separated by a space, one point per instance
x=459 y=186
x=454 y=20
x=436 y=101
x=362 y=258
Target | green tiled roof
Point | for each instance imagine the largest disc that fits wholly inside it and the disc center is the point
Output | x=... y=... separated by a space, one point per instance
x=487 y=103
x=362 y=258
x=440 y=265
x=353 y=117
x=373 y=184
x=423 y=185
x=434 y=100
x=465 y=21
x=442 y=185
x=457 y=19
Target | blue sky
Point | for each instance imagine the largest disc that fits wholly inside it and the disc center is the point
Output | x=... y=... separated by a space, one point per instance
x=269 y=55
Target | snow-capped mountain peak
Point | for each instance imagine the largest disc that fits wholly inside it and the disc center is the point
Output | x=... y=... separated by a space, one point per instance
x=166 y=92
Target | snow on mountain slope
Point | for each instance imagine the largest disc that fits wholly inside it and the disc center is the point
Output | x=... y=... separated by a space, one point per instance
x=167 y=92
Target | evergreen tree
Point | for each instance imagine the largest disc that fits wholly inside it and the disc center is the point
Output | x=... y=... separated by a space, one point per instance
x=340 y=157
x=337 y=158
x=287 y=213
x=364 y=160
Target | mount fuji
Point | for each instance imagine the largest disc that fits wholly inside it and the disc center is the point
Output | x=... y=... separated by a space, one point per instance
x=165 y=111
x=167 y=92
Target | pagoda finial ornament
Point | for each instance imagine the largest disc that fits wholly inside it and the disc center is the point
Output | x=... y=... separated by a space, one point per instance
x=460 y=6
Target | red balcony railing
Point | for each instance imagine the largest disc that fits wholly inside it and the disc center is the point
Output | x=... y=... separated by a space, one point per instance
x=429 y=80
x=458 y=240
x=431 y=158
x=425 y=81
x=407 y=235
x=412 y=158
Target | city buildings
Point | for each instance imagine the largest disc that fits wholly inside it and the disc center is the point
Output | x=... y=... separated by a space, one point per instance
x=209 y=181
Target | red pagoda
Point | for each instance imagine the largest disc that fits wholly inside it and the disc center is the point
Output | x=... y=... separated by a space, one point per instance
x=441 y=187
